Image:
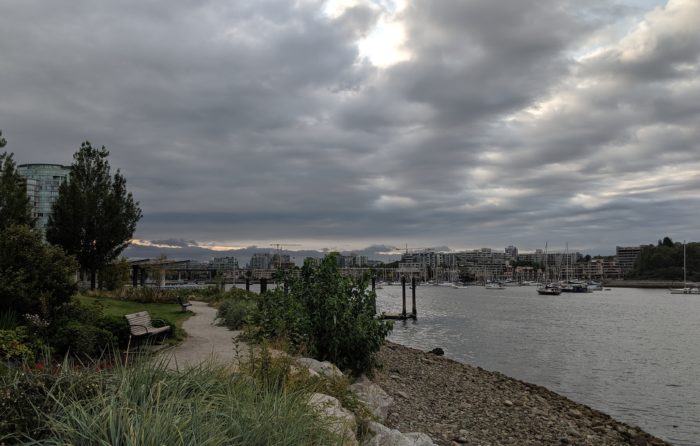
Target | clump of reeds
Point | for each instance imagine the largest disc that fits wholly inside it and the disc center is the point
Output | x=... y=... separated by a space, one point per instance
x=146 y=404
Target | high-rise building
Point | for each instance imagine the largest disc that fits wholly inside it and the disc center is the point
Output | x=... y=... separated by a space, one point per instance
x=43 y=181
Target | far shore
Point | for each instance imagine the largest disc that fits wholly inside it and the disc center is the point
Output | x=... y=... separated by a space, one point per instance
x=664 y=284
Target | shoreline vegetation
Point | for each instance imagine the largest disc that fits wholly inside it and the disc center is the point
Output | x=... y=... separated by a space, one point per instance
x=659 y=284
x=456 y=403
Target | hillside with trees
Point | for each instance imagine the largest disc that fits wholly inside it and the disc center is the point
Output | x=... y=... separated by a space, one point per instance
x=664 y=261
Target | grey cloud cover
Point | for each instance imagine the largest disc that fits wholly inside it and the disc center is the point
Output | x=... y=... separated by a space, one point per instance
x=249 y=122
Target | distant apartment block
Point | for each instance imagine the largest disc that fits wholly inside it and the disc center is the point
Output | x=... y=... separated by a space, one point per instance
x=626 y=256
x=266 y=260
x=227 y=263
x=43 y=181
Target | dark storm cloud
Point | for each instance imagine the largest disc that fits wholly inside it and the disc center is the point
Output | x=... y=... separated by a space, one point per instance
x=509 y=122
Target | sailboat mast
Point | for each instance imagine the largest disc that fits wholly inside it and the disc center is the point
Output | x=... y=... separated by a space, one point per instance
x=684 y=280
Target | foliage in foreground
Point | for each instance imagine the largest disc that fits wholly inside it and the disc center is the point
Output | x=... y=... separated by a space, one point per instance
x=235 y=313
x=149 y=405
x=15 y=207
x=329 y=316
x=36 y=278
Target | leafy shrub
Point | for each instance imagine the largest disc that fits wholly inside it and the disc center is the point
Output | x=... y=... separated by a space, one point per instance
x=118 y=327
x=149 y=295
x=20 y=346
x=36 y=277
x=28 y=396
x=234 y=313
x=82 y=340
x=331 y=316
x=13 y=346
x=115 y=275
x=84 y=331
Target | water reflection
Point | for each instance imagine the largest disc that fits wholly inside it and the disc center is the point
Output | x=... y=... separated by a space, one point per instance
x=628 y=352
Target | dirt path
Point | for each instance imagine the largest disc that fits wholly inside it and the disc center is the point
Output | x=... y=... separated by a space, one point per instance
x=205 y=340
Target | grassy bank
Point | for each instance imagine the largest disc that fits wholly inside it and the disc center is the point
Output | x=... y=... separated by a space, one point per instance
x=146 y=404
x=115 y=307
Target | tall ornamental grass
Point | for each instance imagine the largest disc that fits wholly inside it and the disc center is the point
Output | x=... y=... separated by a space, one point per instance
x=145 y=404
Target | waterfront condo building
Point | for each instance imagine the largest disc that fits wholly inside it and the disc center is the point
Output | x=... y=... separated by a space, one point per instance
x=626 y=255
x=43 y=181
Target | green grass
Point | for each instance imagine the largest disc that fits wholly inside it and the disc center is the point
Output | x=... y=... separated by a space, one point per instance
x=114 y=307
x=146 y=404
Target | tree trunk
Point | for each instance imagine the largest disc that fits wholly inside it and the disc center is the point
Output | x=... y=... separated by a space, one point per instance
x=93 y=273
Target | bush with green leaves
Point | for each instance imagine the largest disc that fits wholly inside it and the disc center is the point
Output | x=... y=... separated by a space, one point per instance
x=36 y=277
x=14 y=346
x=235 y=313
x=83 y=331
x=148 y=295
x=329 y=316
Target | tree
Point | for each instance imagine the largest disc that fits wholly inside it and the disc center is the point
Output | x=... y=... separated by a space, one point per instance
x=94 y=216
x=15 y=207
x=2 y=140
x=36 y=277
x=115 y=275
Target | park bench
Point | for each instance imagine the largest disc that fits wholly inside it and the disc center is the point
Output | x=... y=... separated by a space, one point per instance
x=141 y=324
x=183 y=303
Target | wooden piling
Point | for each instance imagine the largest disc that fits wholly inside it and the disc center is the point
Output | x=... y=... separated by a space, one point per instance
x=263 y=285
x=413 y=297
x=403 y=295
x=247 y=283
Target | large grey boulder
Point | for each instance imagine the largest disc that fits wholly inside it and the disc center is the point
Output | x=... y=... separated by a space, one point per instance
x=340 y=420
x=373 y=396
x=324 y=368
x=380 y=435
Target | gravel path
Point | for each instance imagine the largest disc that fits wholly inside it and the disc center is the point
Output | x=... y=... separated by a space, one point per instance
x=205 y=340
x=457 y=403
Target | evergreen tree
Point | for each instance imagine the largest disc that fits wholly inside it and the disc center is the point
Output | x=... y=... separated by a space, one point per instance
x=15 y=207
x=2 y=140
x=94 y=216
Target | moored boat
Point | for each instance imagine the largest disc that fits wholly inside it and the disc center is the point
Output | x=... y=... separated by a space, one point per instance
x=549 y=290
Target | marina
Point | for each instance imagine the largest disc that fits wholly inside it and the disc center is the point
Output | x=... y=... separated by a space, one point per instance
x=631 y=353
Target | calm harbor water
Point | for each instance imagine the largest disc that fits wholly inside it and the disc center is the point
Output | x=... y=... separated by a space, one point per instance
x=631 y=353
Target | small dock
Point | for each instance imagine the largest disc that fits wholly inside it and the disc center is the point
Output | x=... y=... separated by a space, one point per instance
x=403 y=315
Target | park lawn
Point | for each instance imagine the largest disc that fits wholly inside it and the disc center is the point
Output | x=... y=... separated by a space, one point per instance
x=114 y=307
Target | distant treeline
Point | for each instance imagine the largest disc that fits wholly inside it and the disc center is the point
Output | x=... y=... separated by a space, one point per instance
x=665 y=261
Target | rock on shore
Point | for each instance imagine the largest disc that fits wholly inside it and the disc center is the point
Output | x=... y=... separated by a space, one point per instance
x=457 y=403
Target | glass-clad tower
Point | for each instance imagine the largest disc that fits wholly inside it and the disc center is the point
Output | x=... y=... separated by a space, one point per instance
x=42 y=187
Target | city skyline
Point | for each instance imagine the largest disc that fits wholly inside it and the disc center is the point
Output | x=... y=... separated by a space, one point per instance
x=346 y=124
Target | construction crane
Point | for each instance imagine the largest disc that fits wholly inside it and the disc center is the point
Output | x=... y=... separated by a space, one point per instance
x=279 y=247
x=413 y=248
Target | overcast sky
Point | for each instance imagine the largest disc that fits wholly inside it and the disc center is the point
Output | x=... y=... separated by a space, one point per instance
x=343 y=124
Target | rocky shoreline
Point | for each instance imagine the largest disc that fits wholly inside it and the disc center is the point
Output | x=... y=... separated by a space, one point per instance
x=456 y=403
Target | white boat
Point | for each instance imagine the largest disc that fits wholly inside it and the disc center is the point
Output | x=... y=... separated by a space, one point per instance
x=494 y=286
x=686 y=289
x=549 y=290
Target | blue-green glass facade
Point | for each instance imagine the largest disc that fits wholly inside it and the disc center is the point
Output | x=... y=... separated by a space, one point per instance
x=43 y=181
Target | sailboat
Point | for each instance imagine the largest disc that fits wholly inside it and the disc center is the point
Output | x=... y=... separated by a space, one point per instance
x=548 y=289
x=686 y=289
